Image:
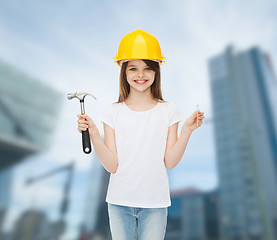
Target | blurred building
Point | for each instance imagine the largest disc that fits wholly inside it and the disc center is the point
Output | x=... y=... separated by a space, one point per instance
x=5 y=195
x=96 y=220
x=28 y=112
x=193 y=215
x=244 y=93
x=32 y=225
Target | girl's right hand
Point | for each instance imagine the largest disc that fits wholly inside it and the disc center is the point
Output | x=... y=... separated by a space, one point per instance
x=85 y=122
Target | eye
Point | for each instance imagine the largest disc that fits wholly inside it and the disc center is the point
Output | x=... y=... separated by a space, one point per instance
x=132 y=69
x=148 y=68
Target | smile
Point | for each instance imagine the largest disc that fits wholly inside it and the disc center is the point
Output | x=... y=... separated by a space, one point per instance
x=140 y=81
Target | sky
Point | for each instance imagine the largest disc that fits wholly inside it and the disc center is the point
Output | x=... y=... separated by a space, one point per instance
x=70 y=45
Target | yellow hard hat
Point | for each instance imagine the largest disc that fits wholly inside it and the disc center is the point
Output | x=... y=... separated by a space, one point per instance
x=139 y=45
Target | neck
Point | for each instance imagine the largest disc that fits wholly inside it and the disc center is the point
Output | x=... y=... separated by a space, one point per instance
x=140 y=98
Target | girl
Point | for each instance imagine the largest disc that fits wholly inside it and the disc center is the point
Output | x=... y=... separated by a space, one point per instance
x=140 y=142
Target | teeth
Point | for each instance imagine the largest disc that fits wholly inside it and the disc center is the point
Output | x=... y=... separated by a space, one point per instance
x=140 y=81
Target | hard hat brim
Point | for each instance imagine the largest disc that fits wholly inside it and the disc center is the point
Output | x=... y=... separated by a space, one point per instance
x=120 y=62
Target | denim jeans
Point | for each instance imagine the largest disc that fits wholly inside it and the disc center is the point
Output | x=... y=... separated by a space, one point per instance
x=128 y=223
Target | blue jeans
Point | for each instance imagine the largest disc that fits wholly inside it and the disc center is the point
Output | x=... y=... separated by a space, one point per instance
x=128 y=223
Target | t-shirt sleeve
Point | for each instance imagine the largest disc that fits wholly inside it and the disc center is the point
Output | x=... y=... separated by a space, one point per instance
x=174 y=115
x=107 y=117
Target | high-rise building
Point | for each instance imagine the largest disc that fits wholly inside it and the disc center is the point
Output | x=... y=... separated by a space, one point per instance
x=244 y=93
x=193 y=215
x=28 y=112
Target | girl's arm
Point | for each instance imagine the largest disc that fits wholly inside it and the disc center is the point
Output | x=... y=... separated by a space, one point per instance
x=106 y=152
x=175 y=147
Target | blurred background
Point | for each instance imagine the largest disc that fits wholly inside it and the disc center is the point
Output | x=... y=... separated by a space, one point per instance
x=221 y=55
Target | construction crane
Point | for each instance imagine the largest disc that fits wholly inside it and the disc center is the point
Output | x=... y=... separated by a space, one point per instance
x=60 y=224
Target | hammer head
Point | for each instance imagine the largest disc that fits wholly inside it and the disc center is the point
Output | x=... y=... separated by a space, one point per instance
x=79 y=95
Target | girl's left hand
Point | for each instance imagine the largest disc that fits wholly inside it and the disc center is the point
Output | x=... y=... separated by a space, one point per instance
x=191 y=122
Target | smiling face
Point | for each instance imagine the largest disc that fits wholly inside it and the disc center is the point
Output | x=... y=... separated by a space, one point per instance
x=139 y=76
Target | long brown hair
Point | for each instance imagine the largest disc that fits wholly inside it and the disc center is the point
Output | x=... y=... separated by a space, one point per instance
x=124 y=87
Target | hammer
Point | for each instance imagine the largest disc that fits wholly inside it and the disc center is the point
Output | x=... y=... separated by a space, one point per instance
x=85 y=134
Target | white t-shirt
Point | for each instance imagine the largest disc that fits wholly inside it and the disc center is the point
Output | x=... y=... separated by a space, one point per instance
x=141 y=179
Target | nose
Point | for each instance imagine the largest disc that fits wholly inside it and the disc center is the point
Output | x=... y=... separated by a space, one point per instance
x=140 y=74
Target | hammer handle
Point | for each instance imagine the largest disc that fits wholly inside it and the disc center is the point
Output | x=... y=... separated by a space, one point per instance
x=86 y=142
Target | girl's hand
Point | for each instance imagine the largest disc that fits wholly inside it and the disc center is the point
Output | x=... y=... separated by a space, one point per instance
x=191 y=122
x=85 y=122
